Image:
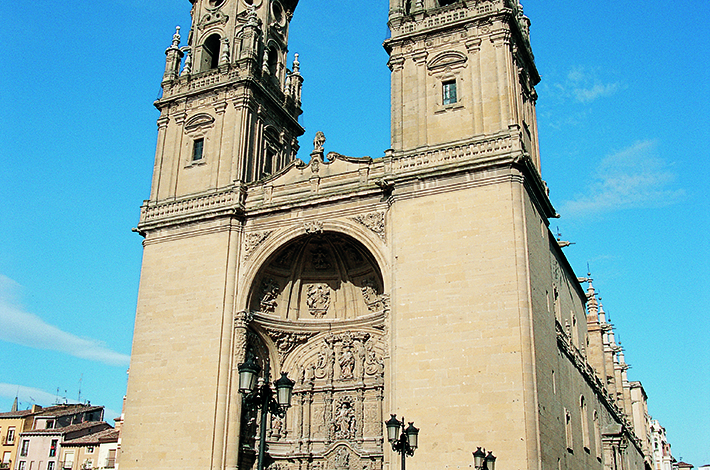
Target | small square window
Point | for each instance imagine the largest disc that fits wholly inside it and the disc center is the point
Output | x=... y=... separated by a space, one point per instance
x=449 y=92
x=197 y=149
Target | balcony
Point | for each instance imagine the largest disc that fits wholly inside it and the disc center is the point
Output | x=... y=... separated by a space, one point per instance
x=6 y=465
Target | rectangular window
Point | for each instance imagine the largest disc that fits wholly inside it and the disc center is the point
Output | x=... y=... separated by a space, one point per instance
x=25 y=448
x=197 y=149
x=50 y=424
x=10 y=436
x=449 y=92
x=50 y=465
x=21 y=465
x=68 y=460
x=111 y=461
x=53 y=448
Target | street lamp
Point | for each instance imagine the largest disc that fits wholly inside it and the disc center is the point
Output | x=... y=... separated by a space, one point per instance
x=262 y=399
x=482 y=461
x=406 y=442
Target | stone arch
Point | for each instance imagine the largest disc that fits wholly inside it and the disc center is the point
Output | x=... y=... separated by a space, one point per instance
x=273 y=241
x=314 y=316
x=211 y=47
x=319 y=275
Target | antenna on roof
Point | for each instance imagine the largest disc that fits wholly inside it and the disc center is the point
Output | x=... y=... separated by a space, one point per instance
x=80 y=380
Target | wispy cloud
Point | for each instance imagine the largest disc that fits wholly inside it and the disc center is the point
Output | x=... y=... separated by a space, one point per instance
x=27 y=329
x=586 y=86
x=29 y=395
x=583 y=85
x=632 y=178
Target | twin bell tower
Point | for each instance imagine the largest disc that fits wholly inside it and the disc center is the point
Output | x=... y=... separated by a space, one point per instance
x=424 y=282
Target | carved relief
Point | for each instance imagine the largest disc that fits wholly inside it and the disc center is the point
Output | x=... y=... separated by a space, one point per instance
x=313 y=227
x=253 y=240
x=198 y=121
x=344 y=424
x=287 y=341
x=320 y=258
x=375 y=302
x=375 y=221
x=270 y=291
x=342 y=458
x=318 y=299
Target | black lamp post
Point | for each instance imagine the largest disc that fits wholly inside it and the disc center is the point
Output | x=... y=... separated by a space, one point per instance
x=482 y=461
x=262 y=397
x=408 y=438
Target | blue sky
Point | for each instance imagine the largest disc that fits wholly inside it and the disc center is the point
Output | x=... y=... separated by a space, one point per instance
x=623 y=115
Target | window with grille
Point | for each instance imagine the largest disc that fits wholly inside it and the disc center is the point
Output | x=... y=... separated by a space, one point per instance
x=197 y=149
x=449 y=92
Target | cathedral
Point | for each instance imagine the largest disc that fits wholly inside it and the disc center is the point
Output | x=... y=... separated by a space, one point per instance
x=423 y=283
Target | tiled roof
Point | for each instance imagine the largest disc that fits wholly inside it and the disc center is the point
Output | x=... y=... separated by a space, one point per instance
x=18 y=414
x=104 y=435
x=66 y=429
x=63 y=410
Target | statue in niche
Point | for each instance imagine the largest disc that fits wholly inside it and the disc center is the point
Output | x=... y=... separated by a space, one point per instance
x=344 y=422
x=347 y=362
x=373 y=364
x=270 y=291
x=318 y=299
x=277 y=428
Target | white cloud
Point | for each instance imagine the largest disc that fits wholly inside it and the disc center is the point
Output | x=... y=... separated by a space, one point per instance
x=632 y=178
x=27 y=329
x=584 y=85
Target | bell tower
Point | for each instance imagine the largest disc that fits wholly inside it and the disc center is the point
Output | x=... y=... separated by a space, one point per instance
x=462 y=71
x=230 y=105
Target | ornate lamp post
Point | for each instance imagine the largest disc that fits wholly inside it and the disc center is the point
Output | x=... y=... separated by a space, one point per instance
x=482 y=461
x=262 y=397
x=408 y=438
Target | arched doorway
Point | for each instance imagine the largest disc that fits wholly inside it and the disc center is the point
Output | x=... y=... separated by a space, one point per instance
x=317 y=311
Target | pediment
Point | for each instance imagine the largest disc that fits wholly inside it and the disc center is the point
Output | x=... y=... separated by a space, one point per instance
x=199 y=121
x=447 y=59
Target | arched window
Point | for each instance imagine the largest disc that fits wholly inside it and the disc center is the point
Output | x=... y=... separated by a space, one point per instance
x=597 y=435
x=273 y=61
x=568 y=431
x=210 y=53
x=585 y=422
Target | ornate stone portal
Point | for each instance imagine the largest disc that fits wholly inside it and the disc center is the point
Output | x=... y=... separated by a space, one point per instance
x=319 y=311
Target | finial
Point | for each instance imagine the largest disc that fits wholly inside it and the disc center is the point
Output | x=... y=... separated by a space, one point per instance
x=252 y=17
x=224 y=58
x=296 y=63
x=187 y=69
x=176 y=37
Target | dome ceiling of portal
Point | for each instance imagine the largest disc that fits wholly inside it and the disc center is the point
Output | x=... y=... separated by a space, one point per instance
x=324 y=276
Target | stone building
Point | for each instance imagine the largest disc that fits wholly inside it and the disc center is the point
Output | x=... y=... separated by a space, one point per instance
x=424 y=283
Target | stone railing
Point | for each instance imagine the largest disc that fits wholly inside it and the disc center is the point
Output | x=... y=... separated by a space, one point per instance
x=471 y=150
x=199 y=81
x=151 y=212
x=451 y=15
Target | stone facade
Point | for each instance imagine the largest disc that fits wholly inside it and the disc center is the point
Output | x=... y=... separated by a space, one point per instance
x=424 y=283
